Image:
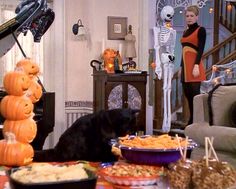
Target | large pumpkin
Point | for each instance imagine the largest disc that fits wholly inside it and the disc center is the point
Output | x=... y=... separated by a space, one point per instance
x=24 y=130
x=16 y=107
x=16 y=83
x=28 y=66
x=14 y=153
x=35 y=91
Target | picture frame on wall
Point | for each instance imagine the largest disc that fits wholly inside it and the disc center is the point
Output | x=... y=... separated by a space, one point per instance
x=116 y=27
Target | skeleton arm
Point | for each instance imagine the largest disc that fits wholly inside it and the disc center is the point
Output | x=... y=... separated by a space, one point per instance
x=173 y=39
x=158 y=69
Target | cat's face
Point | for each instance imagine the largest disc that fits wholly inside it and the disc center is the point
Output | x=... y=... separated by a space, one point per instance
x=123 y=121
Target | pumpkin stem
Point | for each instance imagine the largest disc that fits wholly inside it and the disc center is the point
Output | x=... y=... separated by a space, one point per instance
x=19 y=69
x=10 y=137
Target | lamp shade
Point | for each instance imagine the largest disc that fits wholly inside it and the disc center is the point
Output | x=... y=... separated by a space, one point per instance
x=130 y=46
x=81 y=31
x=78 y=28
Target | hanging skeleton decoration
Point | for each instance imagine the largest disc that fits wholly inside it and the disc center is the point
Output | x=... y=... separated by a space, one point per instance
x=33 y=15
x=164 y=44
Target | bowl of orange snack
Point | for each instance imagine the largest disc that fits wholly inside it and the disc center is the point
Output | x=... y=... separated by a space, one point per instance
x=131 y=174
x=156 y=150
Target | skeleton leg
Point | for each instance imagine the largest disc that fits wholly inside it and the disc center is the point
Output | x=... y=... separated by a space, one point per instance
x=169 y=78
x=165 y=90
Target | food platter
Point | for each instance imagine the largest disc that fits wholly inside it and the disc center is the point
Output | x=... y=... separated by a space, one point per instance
x=88 y=183
x=150 y=156
x=130 y=181
x=131 y=174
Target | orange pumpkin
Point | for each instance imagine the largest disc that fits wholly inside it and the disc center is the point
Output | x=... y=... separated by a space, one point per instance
x=28 y=66
x=24 y=130
x=34 y=92
x=16 y=83
x=14 y=153
x=16 y=107
x=109 y=56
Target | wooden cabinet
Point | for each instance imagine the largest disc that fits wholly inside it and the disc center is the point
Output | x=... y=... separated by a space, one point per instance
x=122 y=90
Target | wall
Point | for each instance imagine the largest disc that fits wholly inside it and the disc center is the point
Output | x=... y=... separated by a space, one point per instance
x=68 y=70
x=54 y=69
x=93 y=13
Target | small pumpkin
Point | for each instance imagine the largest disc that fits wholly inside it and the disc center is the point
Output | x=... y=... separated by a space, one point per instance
x=16 y=107
x=24 y=130
x=109 y=56
x=16 y=83
x=14 y=153
x=34 y=92
x=28 y=66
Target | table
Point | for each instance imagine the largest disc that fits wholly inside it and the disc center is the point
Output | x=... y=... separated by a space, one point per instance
x=101 y=183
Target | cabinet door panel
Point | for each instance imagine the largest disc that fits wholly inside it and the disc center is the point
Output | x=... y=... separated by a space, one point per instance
x=115 y=96
x=134 y=98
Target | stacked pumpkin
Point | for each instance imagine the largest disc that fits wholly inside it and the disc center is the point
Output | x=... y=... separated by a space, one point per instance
x=19 y=128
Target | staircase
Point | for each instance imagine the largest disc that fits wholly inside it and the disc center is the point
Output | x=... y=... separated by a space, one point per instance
x=222 y=52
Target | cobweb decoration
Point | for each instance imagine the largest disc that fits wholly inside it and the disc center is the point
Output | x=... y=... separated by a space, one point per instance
x=221 y=74
x=176 y=3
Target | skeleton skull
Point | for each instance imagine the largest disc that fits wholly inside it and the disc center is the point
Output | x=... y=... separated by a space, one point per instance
x=167 y=13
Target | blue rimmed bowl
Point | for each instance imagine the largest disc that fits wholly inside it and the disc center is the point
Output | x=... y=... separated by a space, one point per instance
x=151 y=156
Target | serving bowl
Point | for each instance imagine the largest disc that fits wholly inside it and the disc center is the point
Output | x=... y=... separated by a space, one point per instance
x=88 y=183
x=130 y=181
x=151 y=156
x=131 y=174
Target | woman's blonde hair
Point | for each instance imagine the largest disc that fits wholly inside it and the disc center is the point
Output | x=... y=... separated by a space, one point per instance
x=194 y=9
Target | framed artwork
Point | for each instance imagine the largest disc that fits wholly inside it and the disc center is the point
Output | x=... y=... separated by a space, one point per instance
x=116 y=27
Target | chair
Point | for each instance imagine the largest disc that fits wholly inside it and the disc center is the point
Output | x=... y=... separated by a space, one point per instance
x=214 y=116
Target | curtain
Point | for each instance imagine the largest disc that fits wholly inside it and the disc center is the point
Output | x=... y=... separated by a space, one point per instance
x=31 y=49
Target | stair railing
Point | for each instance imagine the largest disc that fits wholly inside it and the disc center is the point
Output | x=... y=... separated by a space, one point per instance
x=226 y=51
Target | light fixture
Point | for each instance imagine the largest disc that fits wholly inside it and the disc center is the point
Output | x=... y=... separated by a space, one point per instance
x=229 y=7
x=79 y=29
x=231 y=2
x=211 y=10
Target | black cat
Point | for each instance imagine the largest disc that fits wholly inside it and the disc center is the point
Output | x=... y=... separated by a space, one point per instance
x=88 y=137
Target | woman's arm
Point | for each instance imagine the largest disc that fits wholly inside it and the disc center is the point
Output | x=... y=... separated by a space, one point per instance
x=201 y=44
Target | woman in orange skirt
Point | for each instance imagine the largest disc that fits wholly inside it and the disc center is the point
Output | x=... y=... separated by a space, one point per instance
x=192 y=69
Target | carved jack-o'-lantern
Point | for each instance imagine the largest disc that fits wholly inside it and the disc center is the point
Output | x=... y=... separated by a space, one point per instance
x=28 y=66
x=35 y=91
x=16 y=107
x=16 y=83
x=14 y=153
x=24 y=130
x=109 y=57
